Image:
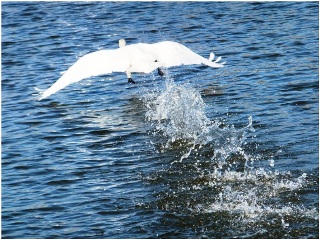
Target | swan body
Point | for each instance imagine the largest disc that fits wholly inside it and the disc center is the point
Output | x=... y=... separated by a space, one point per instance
x=136 y=58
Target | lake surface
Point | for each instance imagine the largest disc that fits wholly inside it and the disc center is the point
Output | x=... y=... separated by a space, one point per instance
x=198 y=153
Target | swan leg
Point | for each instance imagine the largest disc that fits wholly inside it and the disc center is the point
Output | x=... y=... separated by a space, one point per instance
x=131 y=81
x=160 y=72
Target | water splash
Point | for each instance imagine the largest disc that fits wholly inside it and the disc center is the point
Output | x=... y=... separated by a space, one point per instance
x=247 y=196
x=254 y=196
x=178 y=114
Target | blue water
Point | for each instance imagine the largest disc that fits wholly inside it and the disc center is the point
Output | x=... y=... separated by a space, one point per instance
x=198 y=153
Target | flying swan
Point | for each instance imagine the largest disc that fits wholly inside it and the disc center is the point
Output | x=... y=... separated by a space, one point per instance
x=135 y=58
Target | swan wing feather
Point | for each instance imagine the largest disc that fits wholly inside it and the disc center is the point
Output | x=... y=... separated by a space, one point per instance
x=92 y=64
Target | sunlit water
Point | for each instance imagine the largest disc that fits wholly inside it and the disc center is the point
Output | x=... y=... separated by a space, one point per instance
x=198 y=153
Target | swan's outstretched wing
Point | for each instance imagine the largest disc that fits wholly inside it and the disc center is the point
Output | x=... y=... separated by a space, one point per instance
x=171 y=54
x=93 y=64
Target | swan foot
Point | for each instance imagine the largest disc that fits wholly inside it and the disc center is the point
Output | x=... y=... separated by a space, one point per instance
x=160 y=72
x=131 y=81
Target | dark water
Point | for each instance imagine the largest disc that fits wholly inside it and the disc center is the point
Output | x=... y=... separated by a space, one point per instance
x=200 y=153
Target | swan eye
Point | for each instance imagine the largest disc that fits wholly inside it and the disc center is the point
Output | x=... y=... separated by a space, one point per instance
x=155 y=60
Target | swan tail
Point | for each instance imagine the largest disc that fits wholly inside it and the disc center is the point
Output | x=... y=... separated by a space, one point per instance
x=216 y=63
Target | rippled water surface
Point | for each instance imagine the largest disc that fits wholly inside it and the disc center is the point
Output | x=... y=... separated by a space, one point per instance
x=198 y=153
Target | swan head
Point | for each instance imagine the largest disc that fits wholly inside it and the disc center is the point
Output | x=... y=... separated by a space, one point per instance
x=122 y=43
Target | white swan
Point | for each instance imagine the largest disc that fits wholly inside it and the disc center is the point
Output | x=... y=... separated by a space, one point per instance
x=140 y=58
